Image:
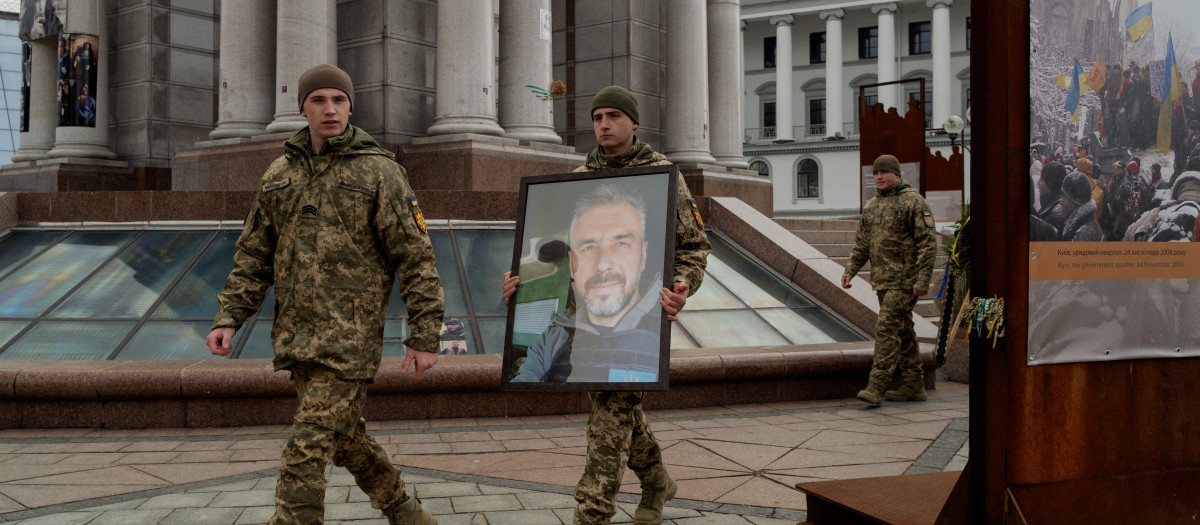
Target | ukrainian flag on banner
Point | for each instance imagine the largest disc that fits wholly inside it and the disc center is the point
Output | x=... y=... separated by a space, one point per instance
x=1074 y=92
x=1139 y=22
x=1170 y=90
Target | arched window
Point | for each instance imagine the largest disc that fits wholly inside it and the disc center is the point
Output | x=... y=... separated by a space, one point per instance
x=913 y=92
x=808 y=179
x=814 y=94
x=761 y=167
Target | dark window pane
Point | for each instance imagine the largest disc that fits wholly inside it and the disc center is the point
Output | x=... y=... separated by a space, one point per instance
x=768 y=114
x=69 y=341
x=769 y=52
x=20 y=246
x=45 y=279
x=196 y=294
x=258 y=341
x=761 y=167
x=164 y=341
x=8 y=329
x=447 y=267
x=756 y=274
x=128 y=286
x=816 y=112
x=806 y=326
x=816 y=48
x=920 y=38
x=491 y=329
x=1087 y=41
x=868 y=42
x=486 y=255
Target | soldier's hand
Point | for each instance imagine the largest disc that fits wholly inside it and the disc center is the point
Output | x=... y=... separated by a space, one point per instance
x=510 y=285
x=423 y=361
x=220 y=341
x=846 y=281
x=919 y=293
x=673 y=299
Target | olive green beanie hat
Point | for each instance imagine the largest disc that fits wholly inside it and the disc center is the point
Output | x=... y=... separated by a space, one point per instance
x=324 y=76
x=887 y=163
x=617 y=97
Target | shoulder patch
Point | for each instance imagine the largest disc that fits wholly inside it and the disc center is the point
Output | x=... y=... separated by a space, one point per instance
x=696 y=213
x=416 y=211
x=928 y=216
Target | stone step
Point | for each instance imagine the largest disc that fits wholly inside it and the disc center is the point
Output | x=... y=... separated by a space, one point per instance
x=834 y=250
x=818 y=224
x=825 y=236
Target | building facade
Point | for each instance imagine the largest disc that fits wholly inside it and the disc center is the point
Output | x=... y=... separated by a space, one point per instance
x=805 y=63
x=184 y=74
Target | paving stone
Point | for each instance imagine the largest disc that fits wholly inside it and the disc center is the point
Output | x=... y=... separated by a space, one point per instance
x=131 y=517
x=179 y=501
x=438 y=490
x=546 y=500
x=65 y=518
x=524 y=517
x=485 y=503
x=350 y=511
x=122 y=505
x=255 y=515
x=202 y=517
x=253 y=498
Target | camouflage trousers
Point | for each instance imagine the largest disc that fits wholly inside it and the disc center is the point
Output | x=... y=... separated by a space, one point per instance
x=617 y=433
x=329 y=426
x=895 y=339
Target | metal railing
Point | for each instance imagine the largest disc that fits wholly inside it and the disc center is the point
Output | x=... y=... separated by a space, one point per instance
x=759 y=134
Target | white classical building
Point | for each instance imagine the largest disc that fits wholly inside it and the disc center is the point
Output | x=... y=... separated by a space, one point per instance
x=805 y=62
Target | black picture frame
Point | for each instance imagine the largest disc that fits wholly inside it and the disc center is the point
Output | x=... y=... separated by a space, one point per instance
x=543 y=310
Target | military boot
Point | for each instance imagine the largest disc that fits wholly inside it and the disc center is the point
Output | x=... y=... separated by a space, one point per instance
x=655 y=493
x=409 y=512
x=873 y=394
x=911 y=391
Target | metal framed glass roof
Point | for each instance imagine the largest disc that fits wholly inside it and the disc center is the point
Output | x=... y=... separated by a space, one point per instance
x=150 y=294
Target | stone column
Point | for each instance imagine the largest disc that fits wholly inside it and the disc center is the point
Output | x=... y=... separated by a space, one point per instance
x=724 y=82
x=525 y=60
x=89 y=17
x=941 y=60
x=833 y=70
x=887 y=51
x=247 y=68
x=466 y=96
x=783 y=77
x=687 y=122
x=43 y=114
x=306 y=35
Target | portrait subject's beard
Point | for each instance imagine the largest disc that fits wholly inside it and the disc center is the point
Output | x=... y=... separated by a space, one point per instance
x=613 y=304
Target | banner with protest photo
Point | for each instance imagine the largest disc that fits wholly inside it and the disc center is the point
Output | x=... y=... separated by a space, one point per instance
x=1114 y=162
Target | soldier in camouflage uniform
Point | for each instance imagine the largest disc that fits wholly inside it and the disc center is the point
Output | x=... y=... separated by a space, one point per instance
x=617 y=431
x=896 y=235
x=333 y=223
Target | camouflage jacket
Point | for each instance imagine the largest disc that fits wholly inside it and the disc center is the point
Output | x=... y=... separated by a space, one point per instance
x=331 y=232
x=691 y=243
x=896 y=235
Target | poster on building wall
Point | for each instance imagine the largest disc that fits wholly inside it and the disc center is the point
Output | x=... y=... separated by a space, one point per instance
x=77 y=71
x=26 y=78
x=42 y=18
x=1114 y=169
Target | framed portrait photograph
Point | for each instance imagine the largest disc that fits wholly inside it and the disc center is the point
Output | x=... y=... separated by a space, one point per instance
x=593 y=250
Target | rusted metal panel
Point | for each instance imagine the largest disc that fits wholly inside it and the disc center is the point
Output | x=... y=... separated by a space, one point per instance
x=1151 y=499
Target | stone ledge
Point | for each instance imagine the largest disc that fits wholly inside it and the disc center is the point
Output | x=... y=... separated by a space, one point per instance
x=206 y=393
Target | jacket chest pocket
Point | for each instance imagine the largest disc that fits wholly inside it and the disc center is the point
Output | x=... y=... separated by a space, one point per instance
x=352 y=203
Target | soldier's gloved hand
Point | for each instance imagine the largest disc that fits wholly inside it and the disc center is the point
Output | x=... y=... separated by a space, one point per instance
x=423 y=360
x=220 y=341
x=673 y=299
x=510 y=285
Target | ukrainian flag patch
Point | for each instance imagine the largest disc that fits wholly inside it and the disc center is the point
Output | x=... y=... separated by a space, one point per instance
x=416 y=211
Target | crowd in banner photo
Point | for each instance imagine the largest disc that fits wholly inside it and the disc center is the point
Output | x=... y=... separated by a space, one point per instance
x=1119 y=160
